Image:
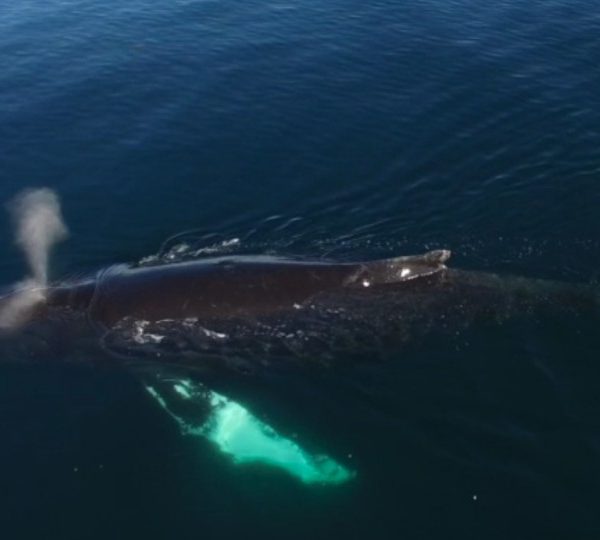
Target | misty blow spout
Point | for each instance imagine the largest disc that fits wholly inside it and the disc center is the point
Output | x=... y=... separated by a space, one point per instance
x=39 y=225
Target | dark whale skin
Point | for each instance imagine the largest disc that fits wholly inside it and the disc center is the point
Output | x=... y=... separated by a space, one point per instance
x=236 y=286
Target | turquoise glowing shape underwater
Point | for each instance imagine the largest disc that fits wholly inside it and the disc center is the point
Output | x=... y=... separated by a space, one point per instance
x=237 y=433
x=240 y=435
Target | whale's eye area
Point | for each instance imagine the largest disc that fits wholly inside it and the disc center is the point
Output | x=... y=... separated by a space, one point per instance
x=237 y=433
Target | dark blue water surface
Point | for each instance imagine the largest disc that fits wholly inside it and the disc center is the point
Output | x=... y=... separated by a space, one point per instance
x=315 y=128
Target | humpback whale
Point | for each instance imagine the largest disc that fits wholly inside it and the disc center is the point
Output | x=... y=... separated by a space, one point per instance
x=255 y=312
x=252 y=312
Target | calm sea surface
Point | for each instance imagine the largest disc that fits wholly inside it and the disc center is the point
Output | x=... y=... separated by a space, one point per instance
x=318 y=129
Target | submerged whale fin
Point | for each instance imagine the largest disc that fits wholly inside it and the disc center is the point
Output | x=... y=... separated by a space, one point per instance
x=235 y=431
x=400 y=269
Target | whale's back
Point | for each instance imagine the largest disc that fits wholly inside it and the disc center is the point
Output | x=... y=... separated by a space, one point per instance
x=243 y=286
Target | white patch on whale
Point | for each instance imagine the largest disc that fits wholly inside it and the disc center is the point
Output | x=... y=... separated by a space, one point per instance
x=142 y=337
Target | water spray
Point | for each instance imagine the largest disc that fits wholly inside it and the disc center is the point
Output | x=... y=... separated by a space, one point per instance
x=38 y=224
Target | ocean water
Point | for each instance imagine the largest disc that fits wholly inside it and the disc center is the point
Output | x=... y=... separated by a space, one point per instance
x=340 y=130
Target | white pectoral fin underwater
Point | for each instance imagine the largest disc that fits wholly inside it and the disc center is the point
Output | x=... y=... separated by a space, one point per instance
x=237 y=433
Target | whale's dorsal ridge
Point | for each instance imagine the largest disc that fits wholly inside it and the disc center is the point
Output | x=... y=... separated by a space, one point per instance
x=399 y=269
x=436 y=257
